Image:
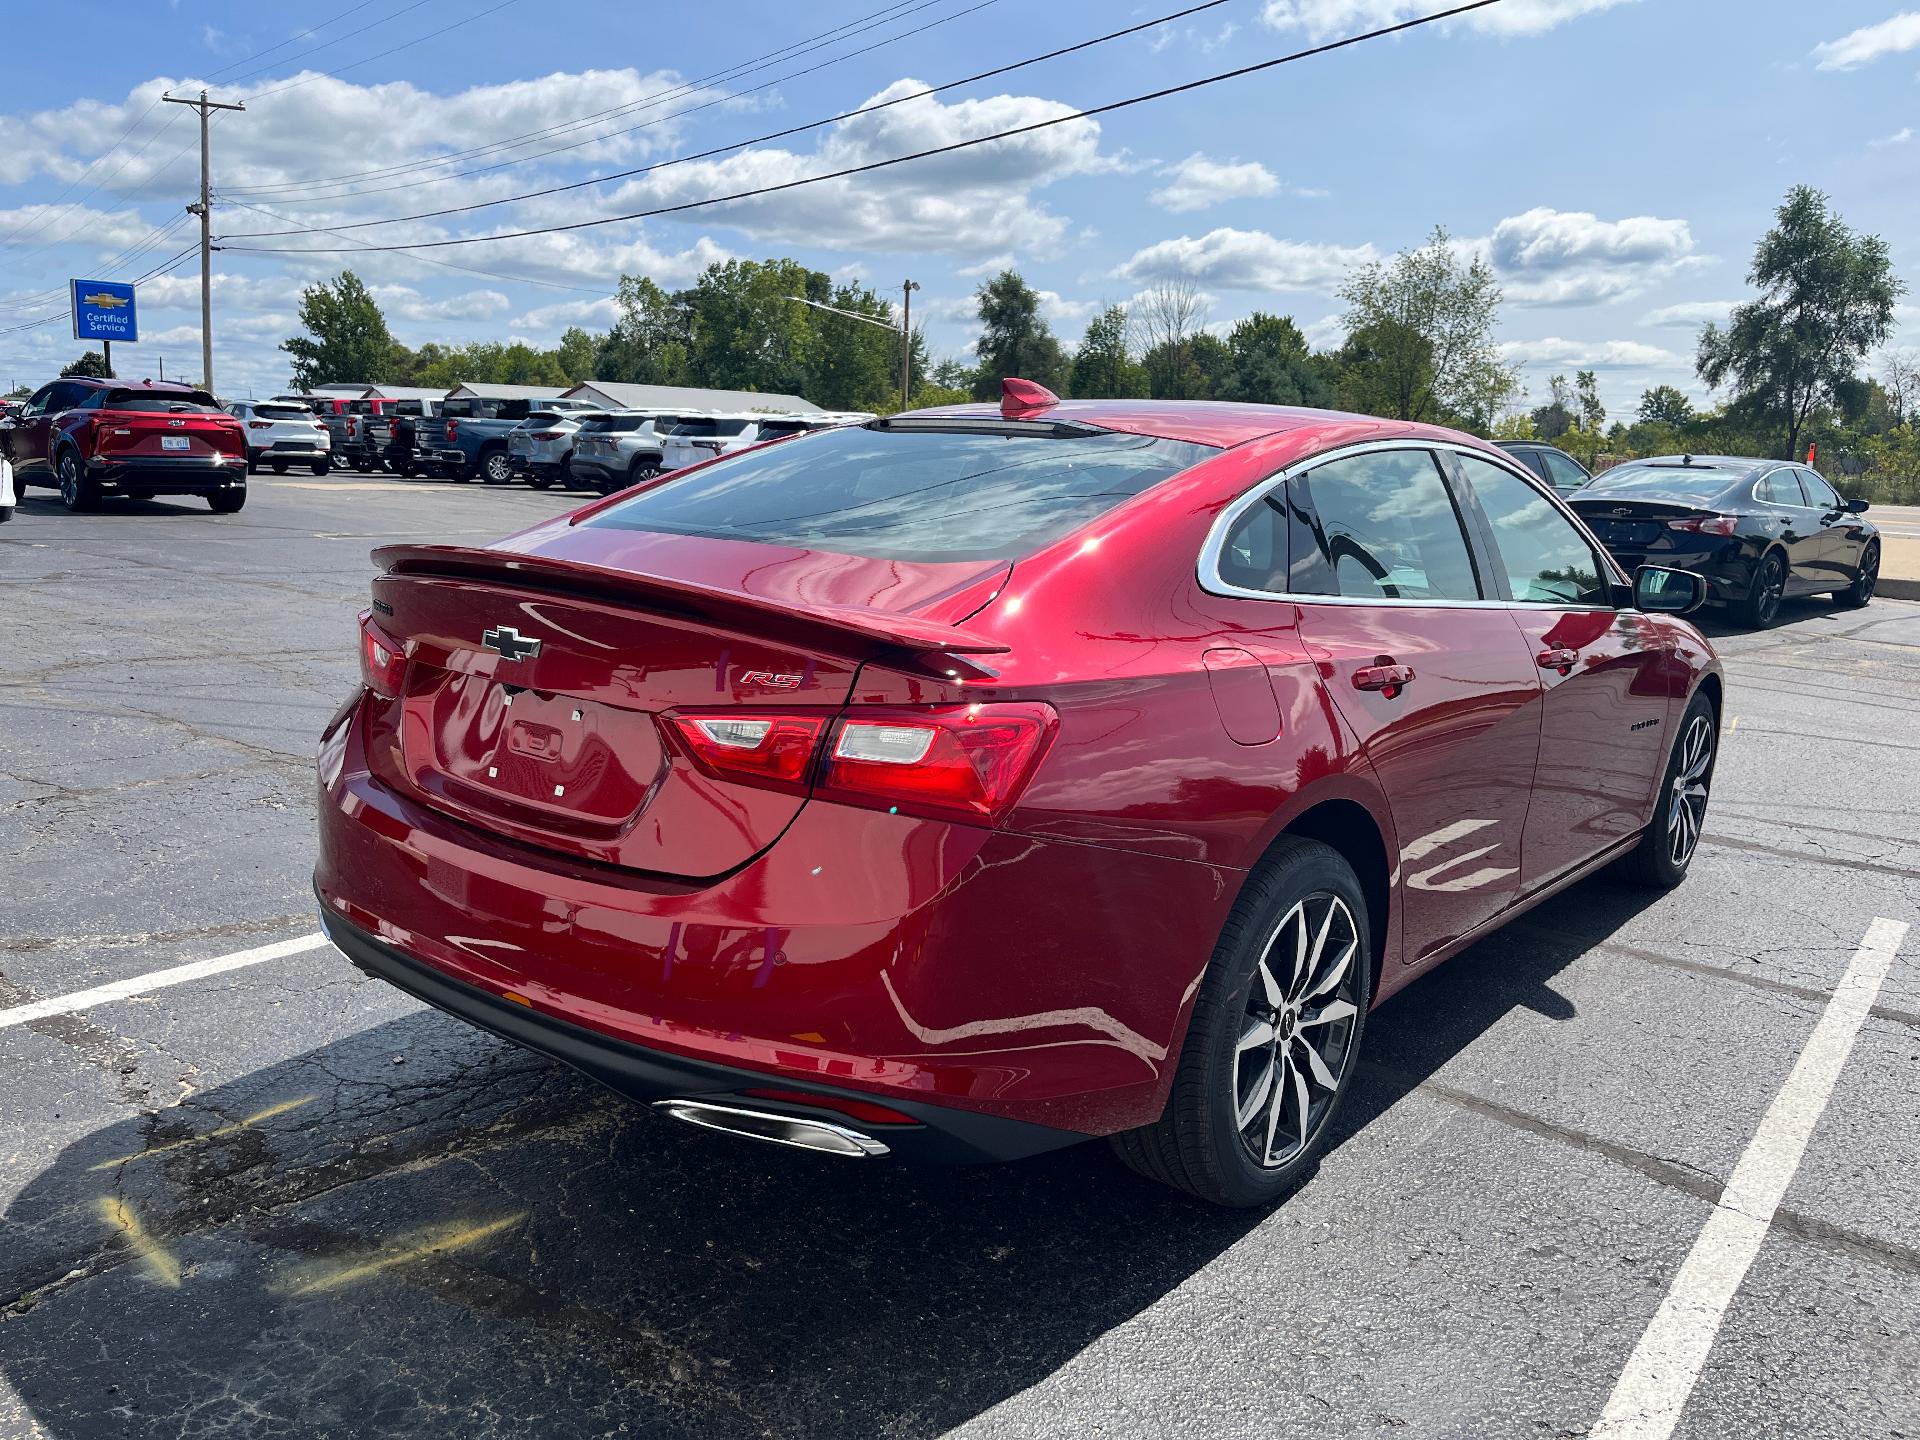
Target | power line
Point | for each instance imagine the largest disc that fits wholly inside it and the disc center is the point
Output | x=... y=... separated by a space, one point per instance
x=390 y=50
x=758 y=139
x=153 y=274
x=232 y=81
x=139 y=247
x=293 y=39
x=283 y=191
x=870 y=166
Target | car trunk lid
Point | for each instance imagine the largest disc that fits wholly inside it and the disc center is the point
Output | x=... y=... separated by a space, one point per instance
x=536 y=685
x=1633 y=524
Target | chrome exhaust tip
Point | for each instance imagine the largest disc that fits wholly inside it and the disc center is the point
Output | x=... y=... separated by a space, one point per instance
x=797 y=1131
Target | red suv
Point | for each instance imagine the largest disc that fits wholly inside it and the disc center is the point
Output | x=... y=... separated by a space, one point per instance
x=95 y=438
x=978 y=780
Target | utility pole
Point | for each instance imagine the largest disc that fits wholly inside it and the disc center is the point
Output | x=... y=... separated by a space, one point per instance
x=907 y=287
x=205 y=211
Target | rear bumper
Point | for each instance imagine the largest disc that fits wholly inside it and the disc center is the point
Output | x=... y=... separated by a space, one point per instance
x=1722 y=562
x=942 y=1136
x=151 y=475
x=922 y=964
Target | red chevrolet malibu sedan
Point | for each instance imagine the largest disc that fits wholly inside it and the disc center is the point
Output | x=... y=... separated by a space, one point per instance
x=980 y=780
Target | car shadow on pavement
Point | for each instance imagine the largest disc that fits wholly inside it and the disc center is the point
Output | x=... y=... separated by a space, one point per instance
x=420 y=1230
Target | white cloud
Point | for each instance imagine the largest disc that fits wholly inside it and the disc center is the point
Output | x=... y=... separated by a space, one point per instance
x=1065 y=316
x=1892 y=36
x=1514 y=17
x=1562 y=257
x=549 y=319
x=1690 y=314
x=1589 y=354
x=1899 y=137
x=1197 y=182
x=976 y=202
x=403 y=302
x=1245 y=260
x=32 y=227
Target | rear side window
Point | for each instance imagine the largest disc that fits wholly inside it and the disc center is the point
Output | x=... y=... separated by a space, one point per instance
x=1546 y=560
x=909 y=495
x=1382 y=526
x=1778 y=487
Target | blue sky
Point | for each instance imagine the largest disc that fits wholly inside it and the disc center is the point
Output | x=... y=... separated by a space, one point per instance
x=1615 y=159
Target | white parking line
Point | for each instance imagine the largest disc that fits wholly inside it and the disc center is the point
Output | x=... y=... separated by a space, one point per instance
x=1660 y=1374
x=157 y=980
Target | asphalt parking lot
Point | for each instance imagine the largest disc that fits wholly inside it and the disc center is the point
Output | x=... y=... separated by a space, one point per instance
x=284 y=1199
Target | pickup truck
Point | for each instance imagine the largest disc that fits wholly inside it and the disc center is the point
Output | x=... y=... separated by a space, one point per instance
x=469 y=437
x=390 y=435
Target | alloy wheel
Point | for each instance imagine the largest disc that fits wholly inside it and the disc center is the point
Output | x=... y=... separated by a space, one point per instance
x=69 y=482
x=1772 y=584
x=1296 y=1036
x=1869 y=575
x=1687 y=802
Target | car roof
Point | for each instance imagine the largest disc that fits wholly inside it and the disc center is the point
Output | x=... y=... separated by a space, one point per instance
x=1735 y=464
x=1206 y=422
x=159 y=387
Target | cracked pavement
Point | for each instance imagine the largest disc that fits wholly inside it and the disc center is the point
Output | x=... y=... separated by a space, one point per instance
x=287 y=1200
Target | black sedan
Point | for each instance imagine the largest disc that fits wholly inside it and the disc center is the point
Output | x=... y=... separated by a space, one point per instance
x=1758 y=530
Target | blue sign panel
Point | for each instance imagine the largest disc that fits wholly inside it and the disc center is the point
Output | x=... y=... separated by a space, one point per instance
x=104 y=310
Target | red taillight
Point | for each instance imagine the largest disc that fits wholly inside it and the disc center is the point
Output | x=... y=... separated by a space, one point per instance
x=966 y=762
x=1706 y=524
x=763 y=749
x=383 y=661
x=545 y=435
x=865 y=1111
x=453 y=431
x=947 y=762
x=349 y=427
x=259 y=424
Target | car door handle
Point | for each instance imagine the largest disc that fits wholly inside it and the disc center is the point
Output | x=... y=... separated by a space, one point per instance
x=1559 y=658
x=1387 y=678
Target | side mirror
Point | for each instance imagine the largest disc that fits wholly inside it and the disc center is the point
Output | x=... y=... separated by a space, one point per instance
x=1661 y=591
x=1855 y=507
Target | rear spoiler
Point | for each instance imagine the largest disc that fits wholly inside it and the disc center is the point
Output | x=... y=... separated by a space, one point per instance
x=820 y=624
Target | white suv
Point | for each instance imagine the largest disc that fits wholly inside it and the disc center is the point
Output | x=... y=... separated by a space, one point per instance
x=281 y=434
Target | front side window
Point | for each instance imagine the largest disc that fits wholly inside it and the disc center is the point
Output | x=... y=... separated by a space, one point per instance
x=1820 y=495
x=1546 y=560
x=1382 y=526
x=1562 y=473
x=921 y=494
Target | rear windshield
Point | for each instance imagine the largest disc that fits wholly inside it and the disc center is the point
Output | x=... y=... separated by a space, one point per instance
x=160 y=403
x=1683 y=482
x=774 y=429
x=705 y=429
x=544 y=417
x=909 y=495
x=282 y=412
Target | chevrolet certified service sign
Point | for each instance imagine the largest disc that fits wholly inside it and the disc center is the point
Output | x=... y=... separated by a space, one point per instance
x=103 y=310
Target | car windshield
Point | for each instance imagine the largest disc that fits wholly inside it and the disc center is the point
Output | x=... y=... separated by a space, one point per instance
x=1686 y=482
x=282 y=412
x=159 y=402
x=910 y=495
x=707 y=429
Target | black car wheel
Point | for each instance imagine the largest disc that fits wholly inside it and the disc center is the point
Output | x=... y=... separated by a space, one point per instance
x=642 y=472
x=1275 y=1036
x=227 y=502
x=320 y=467
x=1762 y=605
x=1666 y=847
x=1861 y=591
x=496 y=468
x=279 y=466
x=77 y=492
x=538 y=481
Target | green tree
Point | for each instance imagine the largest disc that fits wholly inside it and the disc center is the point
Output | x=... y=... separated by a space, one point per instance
x=1593 y=414
x=1380 y=365
x=1664 y=405
x=1102 y=366
x=92 y=365
x=1429 y=320
x=650 y=341
x=346 y=338
x=1014 y=340
x=576 y=355
x=1268 y=363
x=1826 y=299
x=854 y=365
x=1556 y=417
x=745 y=332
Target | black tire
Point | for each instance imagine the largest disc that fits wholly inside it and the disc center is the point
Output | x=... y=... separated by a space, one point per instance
x=641 y=472
x=228 y=502
x=320 y=467
x=6 y=514
x=77 y=492
x=495 y=468
x=1202 y=1144
x=537 y=481
x=253 y=464
x=279 y=466
x=408 y=469
x=1860 y=593
x=1667 y=845
x=1761 y=609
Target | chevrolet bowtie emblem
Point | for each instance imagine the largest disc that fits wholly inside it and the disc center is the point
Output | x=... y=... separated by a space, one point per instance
x=511 y=644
